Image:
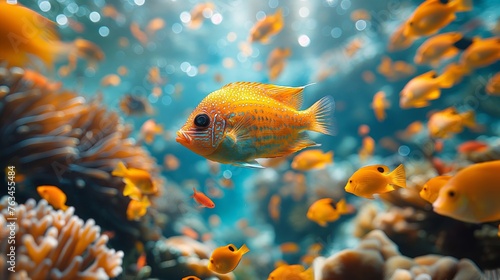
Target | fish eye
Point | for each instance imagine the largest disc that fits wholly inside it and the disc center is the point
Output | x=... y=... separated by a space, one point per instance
x=231 y=248
x=434 y=76
x=202 y=120
x=350 y=181
x=411 y=23
x=451 y=193
x=380 y=169
x=211 y=261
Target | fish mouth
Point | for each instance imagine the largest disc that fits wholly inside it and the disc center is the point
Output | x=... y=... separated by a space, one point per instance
x=183 y=137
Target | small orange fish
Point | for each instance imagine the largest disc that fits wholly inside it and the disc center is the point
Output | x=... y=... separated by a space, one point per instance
x=276 y=62
x=274 y=207
x=289 y=272
x=444 y=124
x=472 y=146
x=140 y=35
x=412 y=129
x=190 y=278
x=379 y=104
x=375 y=179
x=197 y=14
x=479 y=204
x=438 y=48
x=481 y=53
x=141 y=261
x=154 y=76
x=110 y=80
x=493 y=86
x=149 y=130
x=136 y=209
x=202 y=199
x=40 y=80
x=420 y=90
x=396 y=70
x=432 y=15
x=267 y=27
x=289 y=248
x=135 y=178
x=367 y=148
x=431 y=189
x=226 y=258
x=244 y=121
x=54 y=196
x=325 y=210
x=87 y=50
x=133 y=105
x=312 y=159
x=154 y=26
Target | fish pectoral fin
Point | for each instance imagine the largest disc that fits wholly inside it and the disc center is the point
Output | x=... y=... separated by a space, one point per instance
x=251 y=164
x=239 y=132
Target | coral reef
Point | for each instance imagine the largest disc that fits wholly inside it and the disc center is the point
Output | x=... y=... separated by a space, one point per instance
x=53 y=244
x=54 y=137
x=377 y=257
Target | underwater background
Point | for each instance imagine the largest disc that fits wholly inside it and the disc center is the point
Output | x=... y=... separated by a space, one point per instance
x=156 y=60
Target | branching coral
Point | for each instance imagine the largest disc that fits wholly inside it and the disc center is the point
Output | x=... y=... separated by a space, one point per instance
x=55 y=137
x=377 y=257
x=56 y=245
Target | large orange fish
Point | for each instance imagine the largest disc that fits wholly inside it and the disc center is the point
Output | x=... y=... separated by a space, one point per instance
x=472 y=195
x=438 y=48
x=244 y=121
x=481 y=53
x=420 y=90
x=444 y=124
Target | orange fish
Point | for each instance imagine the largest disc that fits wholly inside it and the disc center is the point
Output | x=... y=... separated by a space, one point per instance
x=149 y=129
x=24 y=32
x=438 y=48
x=133 y=105
x=375 y=179
x=472 y=146
x=367 y=148
x=110 y=80
x=135 y=178
x=481 y=53
x=226 y=258
x=141 y=261
x=291 y=272
x=202 y=199
x=276 y=62
x=399 y=41
x=493 y=86
x=154 y=76
x=431 y=189
x=87 y=50
x=412 y=129
x=53 y=195
x=289 y=248
x=432 y=15
x=136 y=209
x=353 y=47
x=274 y=207
x=396 y=70
x=244 y=121
x=40 y=80
x=197 y=12
x=420 y=90
x=477 y=204
x=444 y=124
x=154 y=26
x=325 y=210
x=379 y=104
x=140 y=35
x=312 y=159
x=267 y=27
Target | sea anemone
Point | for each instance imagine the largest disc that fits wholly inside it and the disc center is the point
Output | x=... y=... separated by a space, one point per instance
x=53 y=244
x=56 y=137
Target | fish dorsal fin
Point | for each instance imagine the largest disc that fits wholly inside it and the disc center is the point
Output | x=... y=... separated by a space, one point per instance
x=290 y=96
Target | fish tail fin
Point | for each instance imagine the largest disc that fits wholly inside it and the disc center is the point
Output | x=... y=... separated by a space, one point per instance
x=342 y=207
x=398 y=176
x=64 y=207
x=452 y=75
x=194 y=192
x=244 y=249
x=462 y=5
x=329 y=157
x=321 y=113
x=120 y=170
x=469 y=119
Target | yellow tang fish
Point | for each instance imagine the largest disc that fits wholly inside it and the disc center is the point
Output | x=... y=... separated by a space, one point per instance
x=444 y=124
x=472 y=195
x=226 y=258
x=312 y=159
x=375 y=179
x=244 y=121
x=291 y=272
x=53 y=195
x=431 y=189
x=136 y=209
x=325 y=210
